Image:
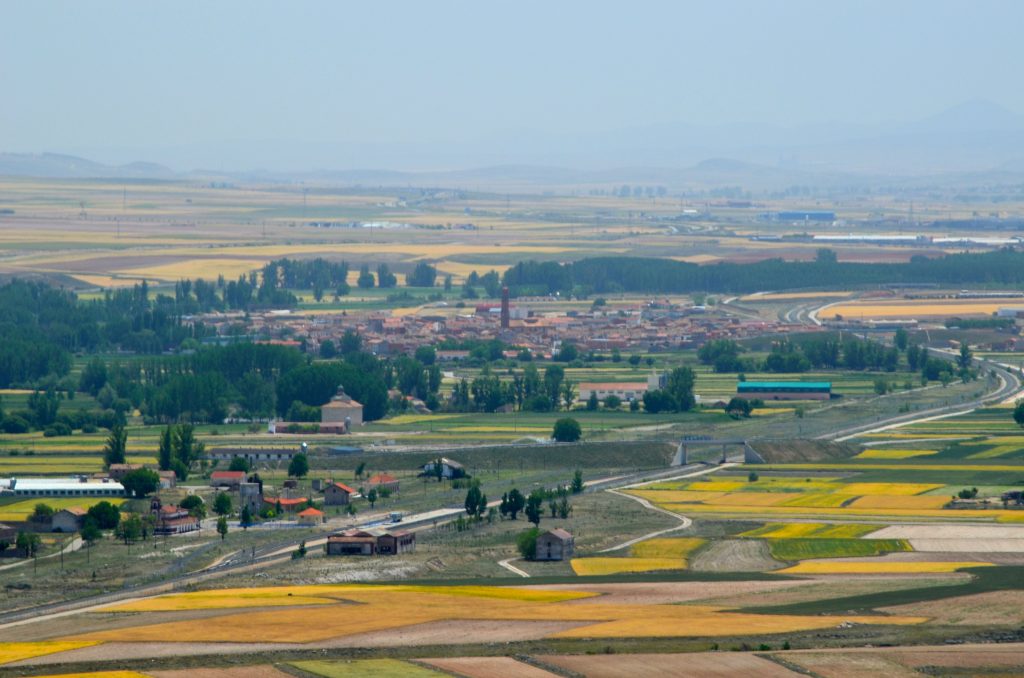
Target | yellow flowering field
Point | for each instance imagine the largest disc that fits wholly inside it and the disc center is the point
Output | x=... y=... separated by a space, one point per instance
x=894 y=454
x=820 y=500
x=395 y=606
x=810 y=531
x=754 y=498
x=325 y=595
x=596 y=566
x=13 y=652
x=20 y=511
x=667 y=547
x=900 y=502
x=901 y=489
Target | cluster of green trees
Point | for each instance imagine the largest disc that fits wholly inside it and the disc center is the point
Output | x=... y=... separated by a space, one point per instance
x=527 y=390
x=253 y=381
x=179 y=450
x=826 y=351
x=677 y=396
x=638 y=274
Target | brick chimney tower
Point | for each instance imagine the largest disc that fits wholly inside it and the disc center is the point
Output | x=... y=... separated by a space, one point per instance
x=505 y=316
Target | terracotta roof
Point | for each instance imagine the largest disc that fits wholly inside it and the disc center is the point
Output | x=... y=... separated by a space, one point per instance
x=273 y=501
x=382 y=478
x=344 y=487
x=228 y=474
x=74 y=510
x=311 y=512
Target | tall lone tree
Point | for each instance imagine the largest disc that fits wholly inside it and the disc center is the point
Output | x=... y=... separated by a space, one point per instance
x=165 y=453
x=115 y=450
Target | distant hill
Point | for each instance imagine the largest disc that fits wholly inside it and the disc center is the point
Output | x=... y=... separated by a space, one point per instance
x=57 y=166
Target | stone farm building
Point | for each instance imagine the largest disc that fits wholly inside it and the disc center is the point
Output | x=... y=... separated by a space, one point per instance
x=68 y=519
x=230 y=479
x=370 y=542
x=340 y=414
x=119 y=471
x=625 y=391
x=310 y=517
x=556 y=544
x=8 y=533
x=338 y=494
x=351 y=543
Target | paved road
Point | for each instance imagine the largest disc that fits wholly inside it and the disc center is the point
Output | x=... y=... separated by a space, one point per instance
x=1010 y=385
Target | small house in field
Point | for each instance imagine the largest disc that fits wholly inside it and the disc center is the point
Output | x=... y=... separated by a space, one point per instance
x=352 y=543
x=449 y=468
x=338 y=494
x=311 y=517
x=395 y=543
x=384 y=481
x=228 y=479
x=168 y=479
x=556 y=544
x=8 y=533
x=68 y=520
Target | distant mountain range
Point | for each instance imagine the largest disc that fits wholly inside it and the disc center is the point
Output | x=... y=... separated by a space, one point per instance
x=976 y=140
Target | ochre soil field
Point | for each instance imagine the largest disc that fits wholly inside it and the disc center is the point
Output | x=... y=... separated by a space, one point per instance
x=487 y=667
x=1002 y=659
x=993 y=608
x=410 y=615
x=706 y=664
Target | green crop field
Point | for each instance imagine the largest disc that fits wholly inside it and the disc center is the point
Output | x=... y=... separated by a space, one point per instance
x=800 y=549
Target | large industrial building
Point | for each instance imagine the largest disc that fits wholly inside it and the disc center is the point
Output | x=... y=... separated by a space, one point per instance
x=61 y=487
x=785 y=390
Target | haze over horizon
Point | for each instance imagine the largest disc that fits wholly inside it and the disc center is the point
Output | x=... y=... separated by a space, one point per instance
x=410 y=86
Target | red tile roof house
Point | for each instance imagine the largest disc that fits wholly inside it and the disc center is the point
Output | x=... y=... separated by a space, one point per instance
x=338 y=494
x=384 y=480
x=172 y=519
x=230 y=479
x=311 y=517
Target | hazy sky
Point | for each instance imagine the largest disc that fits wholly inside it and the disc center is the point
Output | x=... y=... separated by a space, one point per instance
x=103 y=76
